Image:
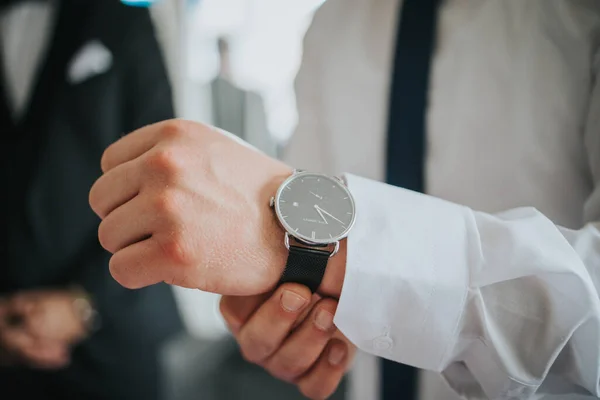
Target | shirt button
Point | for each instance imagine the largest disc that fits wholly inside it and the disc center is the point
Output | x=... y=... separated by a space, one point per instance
x=383 y=343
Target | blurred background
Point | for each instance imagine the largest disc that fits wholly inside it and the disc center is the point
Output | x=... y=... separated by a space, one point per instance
x=77 y=75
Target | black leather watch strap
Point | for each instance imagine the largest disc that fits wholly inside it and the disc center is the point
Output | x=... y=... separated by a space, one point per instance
x=306 y=266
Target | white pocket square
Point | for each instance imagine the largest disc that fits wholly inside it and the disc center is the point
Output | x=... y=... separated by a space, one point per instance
x=91 y=60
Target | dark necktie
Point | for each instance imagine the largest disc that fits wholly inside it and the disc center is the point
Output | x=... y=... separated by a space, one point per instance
x=406 y=138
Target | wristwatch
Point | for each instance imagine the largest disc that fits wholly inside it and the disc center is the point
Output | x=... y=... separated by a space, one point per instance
x=84 y=308
x=316 y=212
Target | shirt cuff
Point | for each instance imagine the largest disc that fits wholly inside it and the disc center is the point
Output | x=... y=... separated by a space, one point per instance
x=406 y=279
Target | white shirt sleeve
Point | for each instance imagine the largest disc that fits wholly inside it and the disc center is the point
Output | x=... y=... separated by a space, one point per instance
x=508 y=298
x=504 y=306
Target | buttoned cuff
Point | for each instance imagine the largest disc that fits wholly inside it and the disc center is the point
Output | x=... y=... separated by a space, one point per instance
x=406 y=275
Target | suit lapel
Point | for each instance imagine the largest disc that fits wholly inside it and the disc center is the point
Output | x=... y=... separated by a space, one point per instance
x=66 y=37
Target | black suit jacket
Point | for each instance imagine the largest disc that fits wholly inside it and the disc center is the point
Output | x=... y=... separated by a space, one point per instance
x=50 y=161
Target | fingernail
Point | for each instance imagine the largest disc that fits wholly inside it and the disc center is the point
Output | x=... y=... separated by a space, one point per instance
x=324 y=320
x=337 y=355
x=292 y=302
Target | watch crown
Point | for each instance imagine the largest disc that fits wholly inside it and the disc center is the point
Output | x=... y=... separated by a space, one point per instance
x=272 y=202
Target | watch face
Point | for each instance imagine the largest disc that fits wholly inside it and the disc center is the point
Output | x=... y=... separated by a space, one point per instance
x=315 y=208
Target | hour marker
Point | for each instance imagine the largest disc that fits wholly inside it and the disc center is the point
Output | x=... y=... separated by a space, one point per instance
x=349 y=213
x=330 y=236
x=313 y=235
x=295 y=204
x=284 y=216
x=345 y=198
x=288 y=188
x=318 y=179
x=296 y=230
x=282 y=201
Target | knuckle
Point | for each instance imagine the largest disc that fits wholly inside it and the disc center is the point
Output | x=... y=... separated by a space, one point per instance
x=254 y=349
x=165 y=162
x=166 y=203
x=289 y=369
x=173 y=129
x=175 y=249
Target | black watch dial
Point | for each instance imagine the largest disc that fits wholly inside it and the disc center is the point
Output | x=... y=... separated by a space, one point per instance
x=315 y=208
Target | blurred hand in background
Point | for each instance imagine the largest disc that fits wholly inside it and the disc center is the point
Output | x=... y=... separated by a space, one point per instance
x=38 y=328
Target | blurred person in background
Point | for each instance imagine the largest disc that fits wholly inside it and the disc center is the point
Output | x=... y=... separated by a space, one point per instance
x=76 y=75
x=490 y=280
x=236 y=110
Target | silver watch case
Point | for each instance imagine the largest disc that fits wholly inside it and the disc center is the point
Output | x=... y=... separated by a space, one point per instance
x=289 y=235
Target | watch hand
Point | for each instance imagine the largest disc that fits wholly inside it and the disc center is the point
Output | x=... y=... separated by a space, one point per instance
x=321 y=214
x=326 y=213
x=316 y=195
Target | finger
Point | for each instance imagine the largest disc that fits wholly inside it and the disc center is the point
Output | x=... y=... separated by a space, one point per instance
x=313 y=301
x=304 y=346
x=135 y=144
x=114 y=188
x=272 y=322
x=237 y=310
x=128 y=224
x=325 y=376
x=141 y=264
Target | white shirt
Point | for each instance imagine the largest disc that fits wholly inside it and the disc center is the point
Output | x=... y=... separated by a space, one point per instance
x=25 y=33
x=496 y=286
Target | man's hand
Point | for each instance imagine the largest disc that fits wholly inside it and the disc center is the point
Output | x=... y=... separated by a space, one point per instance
x=291 y=335
x=182 y=203
x=39 y=327
x=49 y=315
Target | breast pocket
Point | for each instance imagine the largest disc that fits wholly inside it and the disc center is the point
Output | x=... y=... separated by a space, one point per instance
x=96 y=107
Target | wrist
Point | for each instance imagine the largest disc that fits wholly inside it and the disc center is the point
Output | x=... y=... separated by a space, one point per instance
x=333 y=279
x=306 y=255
